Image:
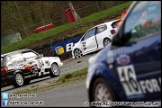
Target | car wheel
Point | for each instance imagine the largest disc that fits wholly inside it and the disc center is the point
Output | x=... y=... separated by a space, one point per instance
x=55 y=70
x=18 y=80
x=106 y=42
x=102 y=91
x=77 y=53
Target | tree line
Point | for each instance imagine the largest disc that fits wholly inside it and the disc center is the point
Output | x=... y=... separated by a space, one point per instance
x=17 y=16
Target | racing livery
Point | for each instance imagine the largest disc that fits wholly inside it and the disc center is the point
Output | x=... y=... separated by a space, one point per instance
x=21 y=66
x=95 y=39
x=129 y=69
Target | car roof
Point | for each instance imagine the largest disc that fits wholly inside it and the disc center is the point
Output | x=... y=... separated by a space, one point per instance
x=107 y=22
x=17 y=51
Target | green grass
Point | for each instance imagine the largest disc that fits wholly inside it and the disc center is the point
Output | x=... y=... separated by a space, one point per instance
x=58 y=30
x=65 y=79
x=73 y=74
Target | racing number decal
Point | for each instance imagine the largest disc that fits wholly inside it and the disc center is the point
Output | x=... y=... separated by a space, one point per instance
x=128 y=79
x=40 y=63
x=42 y=69
x=84 y=45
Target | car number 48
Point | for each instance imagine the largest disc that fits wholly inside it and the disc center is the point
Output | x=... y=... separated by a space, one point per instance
x=128 y=79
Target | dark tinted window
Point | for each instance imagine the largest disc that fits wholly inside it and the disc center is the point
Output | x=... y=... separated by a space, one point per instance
x=101 y=28
x=89 y=34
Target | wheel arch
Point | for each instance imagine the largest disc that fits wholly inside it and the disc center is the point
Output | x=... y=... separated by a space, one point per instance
x=76 y=49
x=18 y=71
x=51 y=73
x=54 y=63
x=104 y=40
x=108 y=77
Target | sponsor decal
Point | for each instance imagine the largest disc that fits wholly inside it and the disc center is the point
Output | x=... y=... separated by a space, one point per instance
x=69 y=46
x=65 y=46
x=47 y=62
x=59 y=50
x=84 y=45
x=110 y=59
x=134 y=88
x=123 y=59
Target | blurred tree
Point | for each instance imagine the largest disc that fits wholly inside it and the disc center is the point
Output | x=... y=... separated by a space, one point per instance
x=38 y=13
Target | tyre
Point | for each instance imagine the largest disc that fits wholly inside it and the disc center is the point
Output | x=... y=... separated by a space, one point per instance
x=18 y=80
x=55 y=70
x=102 y=91
x=106 y=41
x=77 y=53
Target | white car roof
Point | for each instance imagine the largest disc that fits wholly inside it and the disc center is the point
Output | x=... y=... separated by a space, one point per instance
x=107 y=22
x=17 y=51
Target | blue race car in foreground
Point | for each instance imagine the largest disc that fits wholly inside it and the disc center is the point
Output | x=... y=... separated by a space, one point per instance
x=129 y=69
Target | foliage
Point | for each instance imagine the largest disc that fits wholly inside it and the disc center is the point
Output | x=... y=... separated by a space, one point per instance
x=58 y=30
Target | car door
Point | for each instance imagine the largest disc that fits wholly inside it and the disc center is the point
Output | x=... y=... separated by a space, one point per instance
x=88 y=42
x=139 y=58
x=33 y=59
x=15 y=63
x=101 y=34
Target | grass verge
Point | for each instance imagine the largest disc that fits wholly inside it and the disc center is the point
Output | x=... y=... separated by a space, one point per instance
x=58 y=30
x=65 y=79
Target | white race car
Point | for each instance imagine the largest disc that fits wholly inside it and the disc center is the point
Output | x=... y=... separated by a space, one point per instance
x=95 y=39
x=20 y=67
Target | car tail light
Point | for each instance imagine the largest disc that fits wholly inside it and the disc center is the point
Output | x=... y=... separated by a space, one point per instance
x=4 y=70
x=112 y=31
x=28 y=68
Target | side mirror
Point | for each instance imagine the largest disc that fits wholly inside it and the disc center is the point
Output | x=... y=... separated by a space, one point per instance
x=117 y=38
x=116 y=41
x=120 y=38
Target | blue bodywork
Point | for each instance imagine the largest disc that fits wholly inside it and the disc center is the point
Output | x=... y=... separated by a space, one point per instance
x=131 y=69
x=144 y=56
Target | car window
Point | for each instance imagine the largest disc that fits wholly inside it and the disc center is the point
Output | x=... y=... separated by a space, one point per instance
x=3 y=61
x=6 y=59
x=89 y=34
x=29 y=55
x=101 y=28
x=144 y=20
x=16 y=58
